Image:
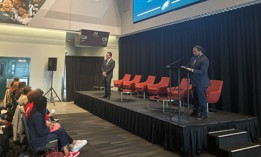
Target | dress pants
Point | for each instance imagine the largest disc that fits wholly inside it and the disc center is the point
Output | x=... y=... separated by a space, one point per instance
x=200 y=101
x=107 y=86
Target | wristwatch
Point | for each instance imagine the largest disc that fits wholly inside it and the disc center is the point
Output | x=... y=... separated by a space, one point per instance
x=192 y=70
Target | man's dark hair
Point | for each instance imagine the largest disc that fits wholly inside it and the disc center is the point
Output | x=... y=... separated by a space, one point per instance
x=200 y=48
x=110 y=53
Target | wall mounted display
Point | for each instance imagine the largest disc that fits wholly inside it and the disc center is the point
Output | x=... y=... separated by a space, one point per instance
x=145 y=9
x=19 y=11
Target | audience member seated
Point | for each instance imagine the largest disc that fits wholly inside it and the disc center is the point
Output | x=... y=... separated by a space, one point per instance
x=18 y=129
x=51 y=115
x=23 y=100
x=7 y=98
x=8 y=111
x=42 y=132
x=18 y=90
x=31 y=96
x=15 y=82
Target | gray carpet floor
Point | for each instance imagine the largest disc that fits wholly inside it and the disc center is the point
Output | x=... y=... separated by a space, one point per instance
x=107 y=140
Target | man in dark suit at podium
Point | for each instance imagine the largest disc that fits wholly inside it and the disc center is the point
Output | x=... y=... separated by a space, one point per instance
x=198 y=67
x=107 y=73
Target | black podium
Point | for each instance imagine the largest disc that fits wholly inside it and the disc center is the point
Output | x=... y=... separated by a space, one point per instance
x=179 y=101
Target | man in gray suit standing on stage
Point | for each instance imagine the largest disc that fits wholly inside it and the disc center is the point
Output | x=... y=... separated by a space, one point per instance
x=107 y=73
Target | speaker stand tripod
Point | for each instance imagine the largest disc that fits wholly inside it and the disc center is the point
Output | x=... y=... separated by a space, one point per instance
x=51 y=90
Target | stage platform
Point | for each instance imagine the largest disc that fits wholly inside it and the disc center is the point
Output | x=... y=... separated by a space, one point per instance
x=186 y=136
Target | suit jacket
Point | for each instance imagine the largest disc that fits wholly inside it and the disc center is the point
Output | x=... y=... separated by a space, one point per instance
x=108 y=68
x=199 y=78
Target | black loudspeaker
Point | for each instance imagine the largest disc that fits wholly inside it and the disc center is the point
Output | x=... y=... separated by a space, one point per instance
x=52 y=64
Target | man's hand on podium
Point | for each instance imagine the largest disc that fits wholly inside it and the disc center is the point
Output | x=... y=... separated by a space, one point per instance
x=189 y=69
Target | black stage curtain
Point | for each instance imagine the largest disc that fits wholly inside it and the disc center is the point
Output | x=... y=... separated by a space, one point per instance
x=82 y=73
x=233 y=44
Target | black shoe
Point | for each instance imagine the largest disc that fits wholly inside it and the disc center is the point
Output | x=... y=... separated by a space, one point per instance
x=201 y=117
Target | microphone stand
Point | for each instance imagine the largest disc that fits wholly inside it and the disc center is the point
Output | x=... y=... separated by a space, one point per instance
x=188 y=95
x=187 y=83
x=169 y=65
x=170 y=90
x=179 y=101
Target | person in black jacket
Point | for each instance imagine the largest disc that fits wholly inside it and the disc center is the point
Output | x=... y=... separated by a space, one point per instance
x=107 y=73
x=198 y=66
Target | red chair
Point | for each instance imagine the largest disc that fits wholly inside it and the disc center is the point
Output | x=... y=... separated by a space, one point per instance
x=129 y=86
x=173 y=94
x=214 y=91
x=142 y=86
x=118 y=83
x=183 y=89
x=159 y=88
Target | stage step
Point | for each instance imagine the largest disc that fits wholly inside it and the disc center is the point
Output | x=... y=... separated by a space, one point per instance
x=225 y=138
x=242 y=150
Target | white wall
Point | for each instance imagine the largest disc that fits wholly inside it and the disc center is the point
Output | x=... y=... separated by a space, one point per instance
x=128 y=27
x=39 y=45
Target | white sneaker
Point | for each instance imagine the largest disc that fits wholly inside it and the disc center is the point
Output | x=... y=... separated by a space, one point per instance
x=81 y=141
x=79 y=144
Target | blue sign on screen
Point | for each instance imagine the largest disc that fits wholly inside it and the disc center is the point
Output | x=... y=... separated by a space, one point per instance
x=144 y=9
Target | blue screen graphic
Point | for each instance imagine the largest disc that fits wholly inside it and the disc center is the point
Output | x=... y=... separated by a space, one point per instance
x=144 y=9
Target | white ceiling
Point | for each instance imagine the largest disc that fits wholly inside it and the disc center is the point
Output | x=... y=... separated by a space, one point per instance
x=89 y=8
x=102 y=15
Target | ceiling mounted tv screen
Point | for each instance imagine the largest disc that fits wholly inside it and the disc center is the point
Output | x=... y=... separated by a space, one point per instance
x=145 y=9
x=91 y=38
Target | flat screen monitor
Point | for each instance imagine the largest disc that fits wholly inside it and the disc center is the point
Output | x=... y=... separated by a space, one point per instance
x=145 y=9
x=91 y=38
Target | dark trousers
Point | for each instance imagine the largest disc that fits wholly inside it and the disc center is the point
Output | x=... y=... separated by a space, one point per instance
x=200 y=101
x=107 y=85
x=4 y=144
x=63 y=138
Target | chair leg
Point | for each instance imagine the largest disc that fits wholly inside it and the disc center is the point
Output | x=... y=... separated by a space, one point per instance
x=163 y=106
x=148 y=106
